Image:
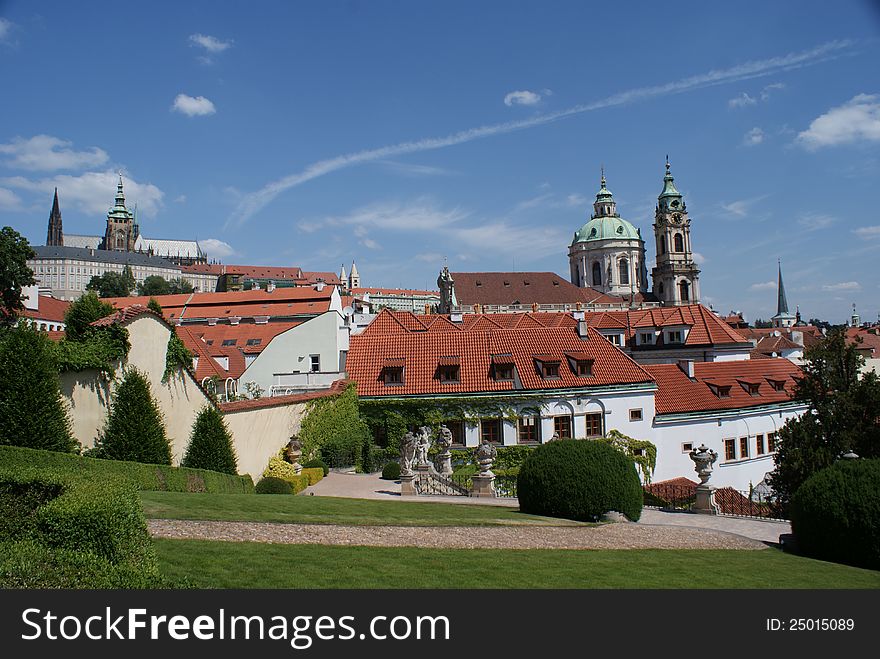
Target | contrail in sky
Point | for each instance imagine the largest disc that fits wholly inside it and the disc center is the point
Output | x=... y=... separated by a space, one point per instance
x=254 y=202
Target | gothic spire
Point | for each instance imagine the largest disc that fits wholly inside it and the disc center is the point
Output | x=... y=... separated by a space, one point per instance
x=781 y=301
x=55 y=235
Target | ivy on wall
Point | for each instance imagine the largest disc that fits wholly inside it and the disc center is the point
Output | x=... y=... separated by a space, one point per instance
x=102 y=349
x=177 y=356
x=333 y=429
x=641 y=451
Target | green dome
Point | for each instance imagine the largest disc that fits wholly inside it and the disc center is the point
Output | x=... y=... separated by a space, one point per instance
x=606 y=228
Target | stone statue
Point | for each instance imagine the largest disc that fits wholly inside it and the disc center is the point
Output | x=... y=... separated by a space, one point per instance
x=444 y=458
x=423 y=444
x=703 y=458
x=407 y=454
x=293 y=453
x=486 y=454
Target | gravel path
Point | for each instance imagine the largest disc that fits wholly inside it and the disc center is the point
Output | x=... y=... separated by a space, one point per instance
x=607 y=536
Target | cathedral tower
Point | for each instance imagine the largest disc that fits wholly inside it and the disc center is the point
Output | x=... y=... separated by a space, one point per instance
x=122 y=231
x=676 y=276
x=55 y=235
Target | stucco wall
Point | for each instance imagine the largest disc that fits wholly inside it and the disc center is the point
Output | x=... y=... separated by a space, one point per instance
x=257 y=433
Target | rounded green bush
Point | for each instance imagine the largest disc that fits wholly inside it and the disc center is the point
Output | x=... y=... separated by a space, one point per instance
x=272 y=485
x=391 y=471
x=835 y=514
x=580 y=480
x=317 y=462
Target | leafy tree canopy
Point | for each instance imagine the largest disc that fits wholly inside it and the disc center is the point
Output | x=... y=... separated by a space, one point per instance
x=81 y=313
x=154 y=285
x=14 y=273
x=843 y=414
x=112 y=284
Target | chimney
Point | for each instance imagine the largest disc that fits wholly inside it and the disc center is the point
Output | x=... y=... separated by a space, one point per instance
x=478 y=308
x=270 y=286
x=687 y=367
x=455 y=316
x=797 y=337
x=319 y=286
x=583 y=330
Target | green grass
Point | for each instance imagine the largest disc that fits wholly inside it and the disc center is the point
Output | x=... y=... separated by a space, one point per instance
x=331 y=510
x=211 y=564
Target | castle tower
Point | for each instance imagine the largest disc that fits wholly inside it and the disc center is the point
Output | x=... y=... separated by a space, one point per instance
x=676 y=276
x=782 y=318
x=608 y=253
x=121 y=232
x=55 y=235
x=343 y=279
x=354 y=279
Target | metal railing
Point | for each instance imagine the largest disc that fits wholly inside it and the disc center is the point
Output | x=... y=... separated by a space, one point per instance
x=669 y=496
x=505 y=487
x=741 y=503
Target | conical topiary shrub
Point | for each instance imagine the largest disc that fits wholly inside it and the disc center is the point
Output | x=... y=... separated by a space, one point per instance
x=134 y=429
x=210 y=444
x=33 y=413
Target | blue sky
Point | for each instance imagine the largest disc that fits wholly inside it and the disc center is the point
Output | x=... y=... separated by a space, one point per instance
x=400 y=133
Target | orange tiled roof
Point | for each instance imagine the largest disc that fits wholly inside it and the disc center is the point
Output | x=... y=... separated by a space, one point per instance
x=258 y=336
x=676 y=393
x=422 y=351
x=705 y=327
x=50 y=309
x=505 y=288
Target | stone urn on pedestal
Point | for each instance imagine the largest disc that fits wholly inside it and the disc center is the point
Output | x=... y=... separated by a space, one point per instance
x=704 y=458
x=484 y=482
x=293 y=453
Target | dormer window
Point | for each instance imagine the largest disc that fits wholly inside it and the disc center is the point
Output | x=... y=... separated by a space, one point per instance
x=777 y=385
x=548 y=366
x=581 y=364
x=503 y=367
x=449 y=369
x=229 y=342
x=720 y=390
x=392 y=371
x=751 y=388
x=616 y=338
x=254 y=342
x=644 y=338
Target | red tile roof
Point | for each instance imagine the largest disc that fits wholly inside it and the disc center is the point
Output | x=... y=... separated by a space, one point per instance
x=811 y=334
x=387 y=338
x=50 y=309
x=866 y=340
x=506 y=288
x=705 y=327
x=126 y=315
x=676 y=393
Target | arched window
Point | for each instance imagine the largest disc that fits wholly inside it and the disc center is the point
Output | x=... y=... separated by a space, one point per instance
x=623 y=271
x=683 y=291
x=663 y=244
x=679 y=243
x=597 y=274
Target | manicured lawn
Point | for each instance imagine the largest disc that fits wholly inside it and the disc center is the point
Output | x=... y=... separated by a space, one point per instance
x=256 y=565
x=330 y=510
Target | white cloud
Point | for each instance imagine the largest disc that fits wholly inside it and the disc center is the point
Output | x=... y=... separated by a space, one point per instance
x=765 y=93
x=198 y=106
x=522 y=98
x=180 y=199
x=843 y=286
x=576 y=200
x=429 y=257
x=91 y=192
x=699 y=259
x=9 y=201
x=742 y=207
x=753 y=137
x=741 y=101
x=5 y=29
x=369 y=243
x=763 y=286
x=216 y=249
x=410 y=169
x=47 y=153
x=209 y=43
x=868 y=232
x=816 y=221
x=857 y=120
x=254 y=202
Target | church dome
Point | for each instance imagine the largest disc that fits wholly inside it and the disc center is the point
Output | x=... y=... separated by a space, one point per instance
x=606 y=228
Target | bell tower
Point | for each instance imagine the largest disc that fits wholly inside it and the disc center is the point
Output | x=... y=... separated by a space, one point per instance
x=121 y=232
x=676 y=276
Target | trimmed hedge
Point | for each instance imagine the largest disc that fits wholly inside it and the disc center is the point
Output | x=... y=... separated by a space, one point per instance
x=580 y=480
x=273 y=485
x=145 y=477
x=391 y=471
x=314 y=474
x=317 y=462
x=835 y=514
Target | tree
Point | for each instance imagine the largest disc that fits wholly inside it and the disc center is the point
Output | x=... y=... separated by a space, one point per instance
x=14 y=273
x=843 y=414
x=154 y=306
x=33 y=412
x=210 y=444
x=134 y=430
x=154 y=285
x=112 y=284
x=81 y=313
x=180 y=285
x=760 y=323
